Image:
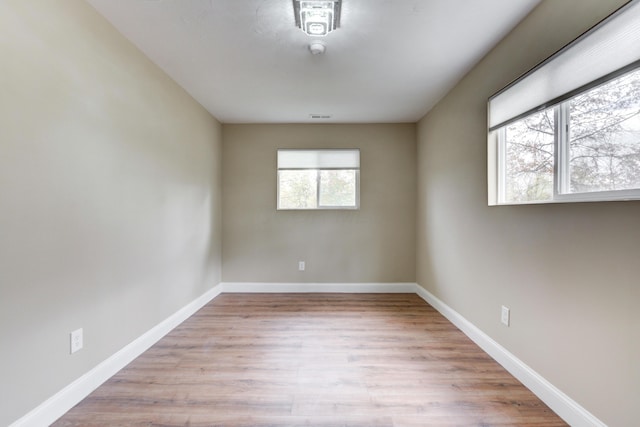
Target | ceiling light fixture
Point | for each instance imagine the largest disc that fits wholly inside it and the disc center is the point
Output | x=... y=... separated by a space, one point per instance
x=317 y=17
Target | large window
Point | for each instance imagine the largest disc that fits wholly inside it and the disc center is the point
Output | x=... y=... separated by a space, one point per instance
x=318 y=179
x=569 y=130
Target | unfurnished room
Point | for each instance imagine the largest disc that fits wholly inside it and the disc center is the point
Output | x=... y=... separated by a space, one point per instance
x=324 y=213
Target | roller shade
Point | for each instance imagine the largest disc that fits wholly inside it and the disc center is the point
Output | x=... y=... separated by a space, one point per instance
x=319 y=159
x=612 y=46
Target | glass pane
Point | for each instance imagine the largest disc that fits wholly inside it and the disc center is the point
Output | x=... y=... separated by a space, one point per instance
x=298 y=189
x=529 y=145
x=604 y=148
x=338 y=188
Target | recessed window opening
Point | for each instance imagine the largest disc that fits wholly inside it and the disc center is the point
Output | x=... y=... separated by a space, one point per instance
x=318 y=179
x=569 y=130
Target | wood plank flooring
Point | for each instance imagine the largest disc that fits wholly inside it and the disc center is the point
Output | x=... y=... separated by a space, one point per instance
x=322 y=360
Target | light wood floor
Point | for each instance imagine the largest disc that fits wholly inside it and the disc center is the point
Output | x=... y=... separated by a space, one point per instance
x=323 y=360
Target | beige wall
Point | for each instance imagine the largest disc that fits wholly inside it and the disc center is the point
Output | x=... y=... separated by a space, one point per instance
x=373 y=244
x=109 y=196
x=569 y=272
x=110 y=213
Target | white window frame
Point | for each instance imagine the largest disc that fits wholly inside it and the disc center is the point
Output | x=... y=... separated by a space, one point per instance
x=318 y=170
x=499 y=116
x=561 y=169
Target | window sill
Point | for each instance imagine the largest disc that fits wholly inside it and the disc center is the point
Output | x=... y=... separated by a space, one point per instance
x=595 y=196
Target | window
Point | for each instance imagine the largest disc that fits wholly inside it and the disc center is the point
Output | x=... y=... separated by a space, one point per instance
x=318 y=179
x=569 y=130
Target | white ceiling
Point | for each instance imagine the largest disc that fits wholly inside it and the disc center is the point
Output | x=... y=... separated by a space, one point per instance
x=246 y=62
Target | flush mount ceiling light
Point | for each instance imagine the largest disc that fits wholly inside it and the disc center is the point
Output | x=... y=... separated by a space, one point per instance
x=317 y=17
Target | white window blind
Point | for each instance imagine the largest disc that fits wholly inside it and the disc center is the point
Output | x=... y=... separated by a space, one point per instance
x=319 y=159
x=610 y=47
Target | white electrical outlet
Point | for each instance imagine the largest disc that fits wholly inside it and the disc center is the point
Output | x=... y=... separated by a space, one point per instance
x=301 y=266
x=76 y=340
x=505 y=316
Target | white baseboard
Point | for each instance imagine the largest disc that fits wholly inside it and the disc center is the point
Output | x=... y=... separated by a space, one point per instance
x=371 y=288
x=57 y=405
x=568 y=409
x=61 y=402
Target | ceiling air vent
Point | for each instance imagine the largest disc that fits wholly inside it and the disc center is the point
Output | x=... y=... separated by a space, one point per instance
x=319 y=116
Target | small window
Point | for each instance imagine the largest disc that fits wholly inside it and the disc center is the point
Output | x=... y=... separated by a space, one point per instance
x=589 y=146
x=569 y=130
x=318 y=179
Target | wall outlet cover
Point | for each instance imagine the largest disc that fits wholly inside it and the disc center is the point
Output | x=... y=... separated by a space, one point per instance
x=76 y=340
x=505 y=316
